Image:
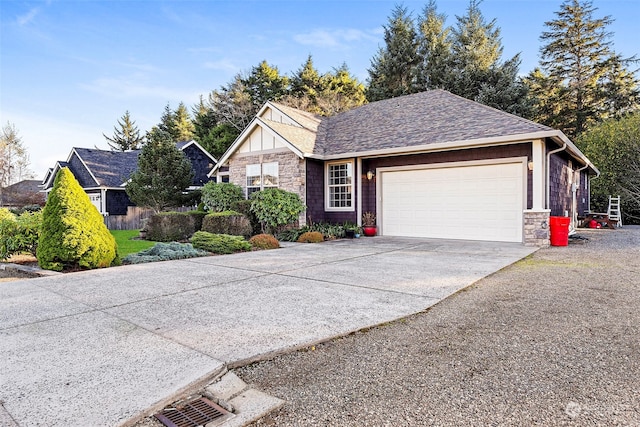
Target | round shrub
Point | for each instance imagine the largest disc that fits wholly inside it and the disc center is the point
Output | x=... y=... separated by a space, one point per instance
x=164 y=252
x=264 y=241
x=73 y=232
x=219 y=243
x=311 y=237
x=221 y=196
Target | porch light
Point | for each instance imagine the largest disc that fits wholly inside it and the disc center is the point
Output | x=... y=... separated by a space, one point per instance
x=530 y=165
x=370 y=175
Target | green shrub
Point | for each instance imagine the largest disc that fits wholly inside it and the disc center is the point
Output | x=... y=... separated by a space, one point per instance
x=292 y=234
x=311 y=237
x=221 y=196
x=219 y=243
x=275 y=208
x=328 y=231
x=244 y=207
x=164 y=252
x=264 y=241
x=6 y=214
x=73 y=233
x=227 y=222
x=173 y=226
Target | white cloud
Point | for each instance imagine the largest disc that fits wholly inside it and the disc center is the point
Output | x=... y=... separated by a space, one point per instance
x=127 y=88
x=335 y=38
x=28 y=17
x=222 y=65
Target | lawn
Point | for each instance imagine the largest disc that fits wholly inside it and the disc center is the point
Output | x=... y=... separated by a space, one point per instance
x=126 y=244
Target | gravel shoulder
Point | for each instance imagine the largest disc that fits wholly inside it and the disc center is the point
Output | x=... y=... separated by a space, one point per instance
x=551 y=340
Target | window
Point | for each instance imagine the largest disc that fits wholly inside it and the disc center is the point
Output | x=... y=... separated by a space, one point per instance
x=261 y=176
x=340 y=186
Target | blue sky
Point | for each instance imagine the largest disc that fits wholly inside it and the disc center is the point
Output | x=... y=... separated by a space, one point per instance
x=69 y=69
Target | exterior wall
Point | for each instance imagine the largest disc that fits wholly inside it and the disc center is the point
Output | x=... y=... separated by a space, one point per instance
x=504 y=151
x=562 y=174
x=260 y=140
x=536 y=228
x=118 y=202
x=201 y=164
x=315 y=190
x=80 y=172
x=291 y=171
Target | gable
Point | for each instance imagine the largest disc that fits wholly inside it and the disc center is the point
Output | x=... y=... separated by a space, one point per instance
x=259 y=139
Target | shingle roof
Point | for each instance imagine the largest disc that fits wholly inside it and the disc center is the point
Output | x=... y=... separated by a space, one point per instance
x=16 y=193
x=110 y=168
x=424 y=118
x=303 y=118
x=302 y=138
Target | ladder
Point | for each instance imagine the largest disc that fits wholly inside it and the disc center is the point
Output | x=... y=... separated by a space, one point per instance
x=614 y=211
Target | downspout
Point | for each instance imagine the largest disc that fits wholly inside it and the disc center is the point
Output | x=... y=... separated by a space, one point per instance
x=548 y=167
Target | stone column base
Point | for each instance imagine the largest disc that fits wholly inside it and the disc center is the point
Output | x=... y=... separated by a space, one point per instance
x=536 y=227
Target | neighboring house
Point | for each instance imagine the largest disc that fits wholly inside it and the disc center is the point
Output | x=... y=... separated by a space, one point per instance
x=104 y=174
x=431 y=164
x=21 y=194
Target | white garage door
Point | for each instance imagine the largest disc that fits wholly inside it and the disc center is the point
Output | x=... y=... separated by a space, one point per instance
x=478 y=202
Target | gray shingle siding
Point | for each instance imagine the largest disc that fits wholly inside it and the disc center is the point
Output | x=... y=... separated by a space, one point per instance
x=200 y=164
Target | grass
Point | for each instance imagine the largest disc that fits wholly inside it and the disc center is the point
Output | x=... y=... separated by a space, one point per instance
x=126 y=244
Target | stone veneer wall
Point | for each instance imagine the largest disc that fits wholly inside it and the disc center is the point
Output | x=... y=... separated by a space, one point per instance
x=291 y=171
x=536 y=227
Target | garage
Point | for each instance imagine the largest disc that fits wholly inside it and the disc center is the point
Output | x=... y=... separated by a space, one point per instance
x=457 y=201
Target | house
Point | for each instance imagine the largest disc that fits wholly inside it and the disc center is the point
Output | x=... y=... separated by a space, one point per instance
x=430 y=164
x=21 y=194
x=104 y=174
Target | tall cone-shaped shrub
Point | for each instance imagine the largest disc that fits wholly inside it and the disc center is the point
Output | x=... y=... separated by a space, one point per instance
x=73 y=231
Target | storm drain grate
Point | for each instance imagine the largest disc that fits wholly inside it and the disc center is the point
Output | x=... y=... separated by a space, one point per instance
x=196 y=413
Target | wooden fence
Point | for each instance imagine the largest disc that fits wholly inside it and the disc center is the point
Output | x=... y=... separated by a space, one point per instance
x=135 y=218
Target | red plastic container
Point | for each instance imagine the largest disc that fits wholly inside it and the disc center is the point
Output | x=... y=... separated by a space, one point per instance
x=559 y=227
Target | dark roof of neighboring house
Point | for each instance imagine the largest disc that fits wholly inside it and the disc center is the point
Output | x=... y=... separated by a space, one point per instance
x=424 y=118
x=110 y=168
x=14 y=194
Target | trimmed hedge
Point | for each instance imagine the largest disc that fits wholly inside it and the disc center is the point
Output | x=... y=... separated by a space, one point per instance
x=73 y=233
x=219 y=243
x=174 y=226
x=227 y=222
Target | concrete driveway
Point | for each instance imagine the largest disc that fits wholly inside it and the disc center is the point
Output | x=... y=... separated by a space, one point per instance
x=99 y=347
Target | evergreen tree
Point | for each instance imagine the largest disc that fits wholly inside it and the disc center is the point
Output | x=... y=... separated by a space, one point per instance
x=73 y=233
x=577 y=57
x=434 y=50
x=168 y=122
x=184 y=130
x=163 y=173
x=264 y=83
x=341 y=92
x=306 y=81
x=126 y=135
x=393 y=68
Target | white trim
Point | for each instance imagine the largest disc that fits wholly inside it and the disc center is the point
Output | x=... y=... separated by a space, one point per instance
x=538 y=148
x=192 y=142
x=327 y=206
x=73 y=150
x=380 y=178
x=358 y=174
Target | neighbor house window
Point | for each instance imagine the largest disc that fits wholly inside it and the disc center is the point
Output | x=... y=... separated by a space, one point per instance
x=340 y=186
x=261 y=176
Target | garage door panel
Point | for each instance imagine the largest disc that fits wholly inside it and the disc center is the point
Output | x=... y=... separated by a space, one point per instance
x=481 y=202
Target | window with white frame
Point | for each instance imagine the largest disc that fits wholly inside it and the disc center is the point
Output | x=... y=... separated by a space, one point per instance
x=261 y=176
x=340 y=186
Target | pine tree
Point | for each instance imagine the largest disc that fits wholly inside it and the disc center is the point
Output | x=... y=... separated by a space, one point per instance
x=393 y=68
x=73 y=233
x=126 y=135
x=168 y=122
x=264 y=83
x=434 y=50
x=306 y=81
x=163 y=173
x=183 y=126
x=577 y=57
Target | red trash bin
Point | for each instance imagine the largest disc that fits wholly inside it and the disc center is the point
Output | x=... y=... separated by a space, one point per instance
x=559 y=226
